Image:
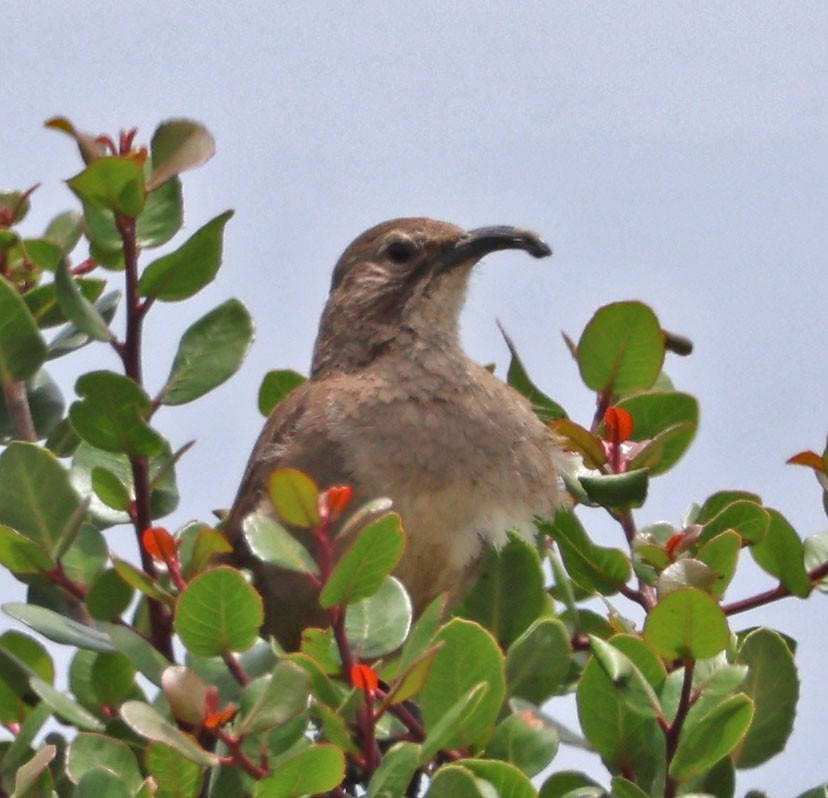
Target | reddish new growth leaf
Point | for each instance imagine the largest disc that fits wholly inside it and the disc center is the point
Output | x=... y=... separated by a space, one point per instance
x=618 y=424
x=808 y=459
x=213 y=716
x=216 y=719
x=159 y=544
x=337 y=499
x=363 y=677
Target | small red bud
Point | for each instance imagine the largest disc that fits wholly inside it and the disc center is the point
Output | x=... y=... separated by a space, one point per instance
x=338 y=498
x=364 y=677
x=159 y=543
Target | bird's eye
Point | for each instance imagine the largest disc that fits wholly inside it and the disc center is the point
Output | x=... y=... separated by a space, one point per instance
x=400 y=251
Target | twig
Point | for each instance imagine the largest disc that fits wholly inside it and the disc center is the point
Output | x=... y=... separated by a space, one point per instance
x=160 y=621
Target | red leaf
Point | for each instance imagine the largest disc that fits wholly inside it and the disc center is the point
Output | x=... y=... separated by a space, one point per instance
x=809 y=459
x=216 y=719
x=363 y=677
x=337 y=498
x=159 y=543
x=619 y=424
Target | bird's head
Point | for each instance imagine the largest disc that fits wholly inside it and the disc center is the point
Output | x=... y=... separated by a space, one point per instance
x=401 y=282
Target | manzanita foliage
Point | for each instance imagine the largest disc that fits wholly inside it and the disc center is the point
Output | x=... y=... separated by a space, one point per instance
x=171 y=690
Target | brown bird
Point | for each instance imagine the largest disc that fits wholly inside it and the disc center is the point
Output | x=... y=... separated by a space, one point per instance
x=394 y=407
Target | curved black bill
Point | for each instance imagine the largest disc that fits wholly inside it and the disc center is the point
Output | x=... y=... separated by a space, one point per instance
x=474 y=244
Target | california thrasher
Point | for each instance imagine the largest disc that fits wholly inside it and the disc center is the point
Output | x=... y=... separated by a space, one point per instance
x=394 y=407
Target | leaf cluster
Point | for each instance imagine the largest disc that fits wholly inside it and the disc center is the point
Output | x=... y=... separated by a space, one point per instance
x=171 y=690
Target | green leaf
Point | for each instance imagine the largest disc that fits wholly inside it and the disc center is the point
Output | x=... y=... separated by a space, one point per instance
x=108 y=596
x=218 y=612
x=199 y=546
x=65 y=230
x=43 y=301
x=272 y=543
x=162 y=216
x=88 y=751
x=685 y=572
x=29 y=779
x=721 y=554
x=580 y=440
x=77 y=308
x=712 y=738
x=743 y=516
x=422 y=633
x=622 y=349
x=564 y=782
x=21 y=657
x=112 y=415
x=275 y=386
x=773 y=685
x=275 y=699
x=85 y=554
x=160 y=220
x=110 y=490
x=147 y=722
x=453 y=781
x=184 y=272
x=113 y=678
x=685 y=624
x=594 y=568
x=17 y=203
x=57 y=628
x=362 y=568
x=21 y=555
x=621 y=788
x=36 y=498
x=178 y=145
x=395 y=772
x=295 y=496
x=617 y=491
x=622 y=737
x=782 y=555
x=505 y=777
x=317 y=769
x=378 y=624
x=520 y=741
x=163 y=490
x=15 y=754
x=446 y=728
x=539 y=661
x=22 y=349
x=509 y=595
x=210 y=352
x=149 y=661
x=64 y=706
x=469 y=655
x=114 y=182
x=187 y=694
x=175 y=775
x=545 y=408
x=635 y=690
x=70 y=338
x=654 y=414
x=816 y=554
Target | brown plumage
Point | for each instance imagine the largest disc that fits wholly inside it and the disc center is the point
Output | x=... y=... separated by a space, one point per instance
x=394 y=407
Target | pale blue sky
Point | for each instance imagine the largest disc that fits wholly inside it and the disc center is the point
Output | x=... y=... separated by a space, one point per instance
x=671 y=152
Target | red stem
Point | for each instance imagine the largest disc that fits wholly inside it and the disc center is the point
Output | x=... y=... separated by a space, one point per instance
x=673 y=733
x=160 y=620
x=774 y=594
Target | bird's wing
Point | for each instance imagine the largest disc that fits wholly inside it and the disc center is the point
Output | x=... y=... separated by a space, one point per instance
x=297 y=435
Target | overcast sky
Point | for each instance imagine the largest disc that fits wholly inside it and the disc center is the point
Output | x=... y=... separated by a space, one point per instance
x=669 y=152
